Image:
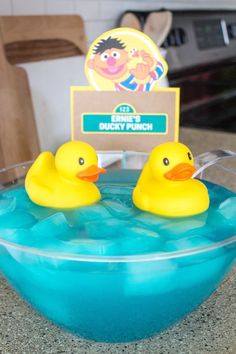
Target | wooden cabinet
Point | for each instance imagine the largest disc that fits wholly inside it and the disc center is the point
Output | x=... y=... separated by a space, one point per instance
x=25 y=39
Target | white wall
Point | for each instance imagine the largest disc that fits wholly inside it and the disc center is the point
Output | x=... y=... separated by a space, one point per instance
x=101 y=15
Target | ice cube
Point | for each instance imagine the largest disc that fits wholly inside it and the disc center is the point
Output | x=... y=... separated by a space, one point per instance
x=199 y=261
x=8 y=235
x=151 y=277
x=113 y=191
x=24 y=203
x=150 y=220
x=108 y=228
x=79 y=246
x=40 y=212
x=178 y=227
x=52 y=226
x=7 y=205
x=20 y=237
x=219 y=226
x=138 y=246
x=134 y=231
x=185 y=243
x=228 y=209
x=217 y=194
x=19 y=193
x=99 y=247
x=17 y=219
x=86 y=214
x=202 y=268
x=136 y=240
x=119 y=209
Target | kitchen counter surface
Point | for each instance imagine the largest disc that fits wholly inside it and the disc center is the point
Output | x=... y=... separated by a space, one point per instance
x=210 y=329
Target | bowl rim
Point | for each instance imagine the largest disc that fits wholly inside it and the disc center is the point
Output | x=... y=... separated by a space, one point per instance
x=156 y=256
x=150 y=257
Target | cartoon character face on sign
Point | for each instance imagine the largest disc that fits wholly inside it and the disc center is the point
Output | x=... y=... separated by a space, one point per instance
x=111 y=58
x=125 y=60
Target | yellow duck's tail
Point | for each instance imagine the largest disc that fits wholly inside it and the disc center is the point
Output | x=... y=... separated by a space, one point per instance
x=44 y=161
x=39 y=188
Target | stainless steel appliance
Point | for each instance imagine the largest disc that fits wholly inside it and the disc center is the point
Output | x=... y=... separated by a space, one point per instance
x=202 y=62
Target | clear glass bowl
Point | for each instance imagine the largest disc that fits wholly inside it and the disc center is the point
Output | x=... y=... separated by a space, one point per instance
x=123 y=297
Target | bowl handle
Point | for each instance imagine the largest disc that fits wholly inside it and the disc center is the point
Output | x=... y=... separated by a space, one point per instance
x=207 y=159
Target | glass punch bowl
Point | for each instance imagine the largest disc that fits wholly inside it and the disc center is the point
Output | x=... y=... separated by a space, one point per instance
x=110 y=272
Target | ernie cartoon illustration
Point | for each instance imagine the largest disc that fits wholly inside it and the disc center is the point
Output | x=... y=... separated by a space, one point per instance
x=129 y=69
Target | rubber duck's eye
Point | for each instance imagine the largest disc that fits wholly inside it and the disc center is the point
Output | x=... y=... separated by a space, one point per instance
x=189 y=156
x=81 y=161
x=166 y=161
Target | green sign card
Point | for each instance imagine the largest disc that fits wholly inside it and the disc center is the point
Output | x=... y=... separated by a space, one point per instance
x=117 y=120
x=124 y=120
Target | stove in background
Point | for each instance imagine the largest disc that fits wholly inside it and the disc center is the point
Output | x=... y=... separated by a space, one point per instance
x=201 y=54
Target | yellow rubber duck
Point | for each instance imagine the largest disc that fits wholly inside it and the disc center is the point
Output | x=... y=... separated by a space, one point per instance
x=66 y=180
x=165 y=186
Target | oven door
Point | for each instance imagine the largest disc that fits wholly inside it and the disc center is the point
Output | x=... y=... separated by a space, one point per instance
x=208 y=96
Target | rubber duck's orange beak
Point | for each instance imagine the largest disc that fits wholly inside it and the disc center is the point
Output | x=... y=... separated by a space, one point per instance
x=180 y=172
x=91 y=174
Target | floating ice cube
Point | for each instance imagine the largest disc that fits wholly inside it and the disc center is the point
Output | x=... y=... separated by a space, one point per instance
x=116 y=191
x=217 y=194
x=78 y=246
x=138 y=246
x=177 y=227
x=40 y=212
x=228 y=209
x=19 y=193
x=88 y=213
x=136 y=240
x=185 y=243
x=150 y=220
x=134 y=231
x=218 y=227
x=119 y=209
x=17 y=219
x=8 y=235
x=108 y=228
x=21 y=237
x=7 y=205
x=52 y=226
x=24 y=203
x=199 y=262
x=101 y=247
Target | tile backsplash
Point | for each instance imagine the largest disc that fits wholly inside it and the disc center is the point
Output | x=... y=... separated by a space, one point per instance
x=101 y=15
